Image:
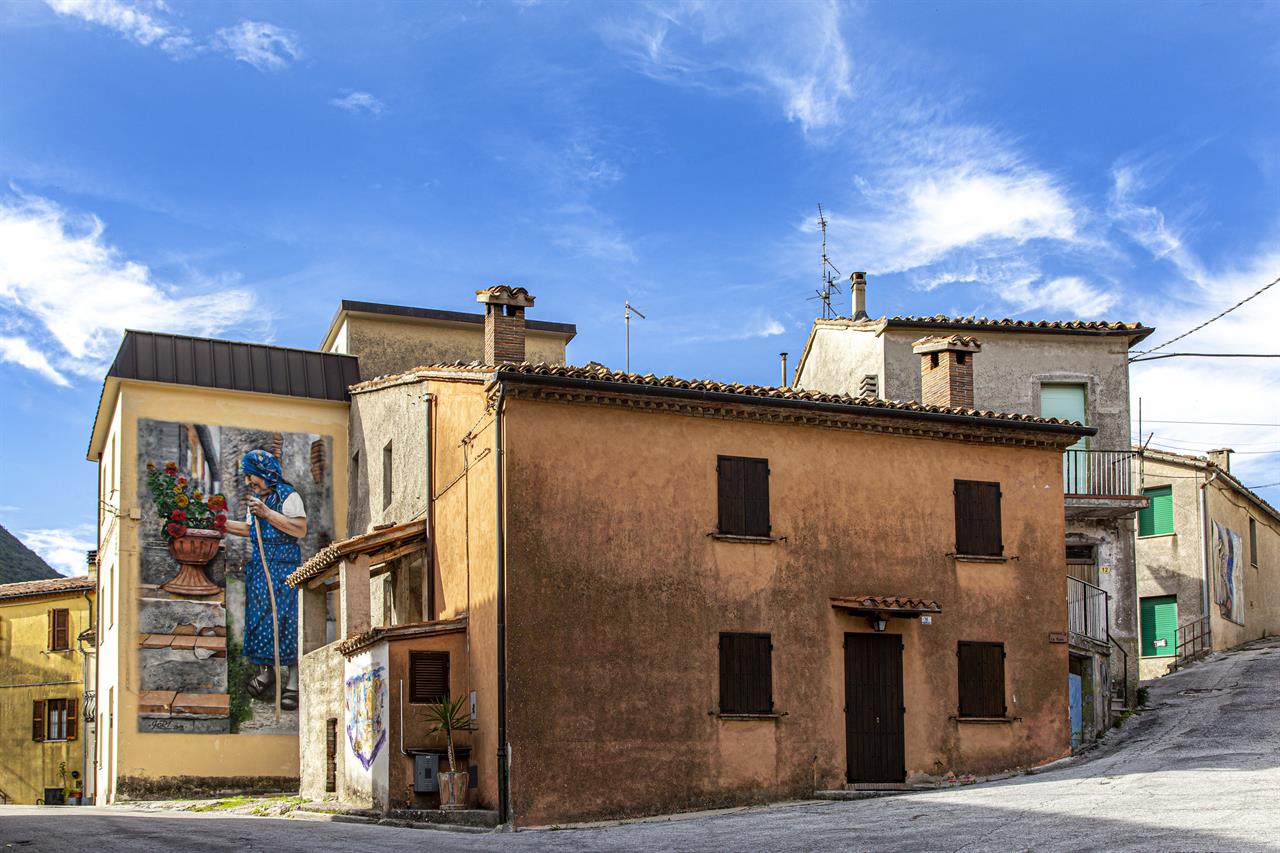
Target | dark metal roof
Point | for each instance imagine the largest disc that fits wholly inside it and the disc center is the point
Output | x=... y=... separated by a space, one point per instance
x=235 y=366
x=448 y=316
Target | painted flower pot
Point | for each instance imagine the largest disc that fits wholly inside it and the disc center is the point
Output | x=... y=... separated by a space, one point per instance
x=453 y=790
x=193 y=550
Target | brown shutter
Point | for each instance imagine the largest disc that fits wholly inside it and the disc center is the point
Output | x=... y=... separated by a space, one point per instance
x=37 y=719
x=756 y=497
x=978 y=527
x=61 y=629
x=52 y=620
x=746 y=674
x=428 y=677
x=981 y=679
x=732 y=495
x=71 y=719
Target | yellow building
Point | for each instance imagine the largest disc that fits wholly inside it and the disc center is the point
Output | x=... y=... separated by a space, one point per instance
x=43 y=673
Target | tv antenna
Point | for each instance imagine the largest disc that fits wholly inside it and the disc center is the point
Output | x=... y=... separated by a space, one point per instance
x=828 y=281
x=630 y=309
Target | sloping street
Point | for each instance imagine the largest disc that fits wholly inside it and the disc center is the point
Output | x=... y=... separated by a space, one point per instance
x=1198 y=771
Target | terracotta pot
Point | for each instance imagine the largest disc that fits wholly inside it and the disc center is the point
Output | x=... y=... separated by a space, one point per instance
x=453 y=790
x=193 y=551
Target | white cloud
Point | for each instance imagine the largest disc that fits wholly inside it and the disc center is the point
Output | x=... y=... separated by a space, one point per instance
x=18 y=351
x=264 y=46
x=63 y=548
x=357 y=102
x=792 y=53
x=70 y=293
x=593 y=236
x=1147 y=225
x=129 y=20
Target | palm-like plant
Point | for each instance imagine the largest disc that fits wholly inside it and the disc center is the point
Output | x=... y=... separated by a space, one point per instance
x=449 y=716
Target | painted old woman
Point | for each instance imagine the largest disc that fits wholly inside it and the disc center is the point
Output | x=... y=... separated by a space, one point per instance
x=282 y=520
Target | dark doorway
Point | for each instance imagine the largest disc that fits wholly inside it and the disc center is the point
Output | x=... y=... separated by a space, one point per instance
x=873 y=707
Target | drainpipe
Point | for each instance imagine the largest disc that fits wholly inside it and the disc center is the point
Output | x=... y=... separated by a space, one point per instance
x=504 y=781
x=84 y=689
x=97 y=640
x=429 y=561
x=1204 y=546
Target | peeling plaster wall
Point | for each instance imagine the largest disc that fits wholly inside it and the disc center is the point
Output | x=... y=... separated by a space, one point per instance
x=839 y=358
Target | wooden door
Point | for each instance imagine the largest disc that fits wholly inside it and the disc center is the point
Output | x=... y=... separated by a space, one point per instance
x=874 y=707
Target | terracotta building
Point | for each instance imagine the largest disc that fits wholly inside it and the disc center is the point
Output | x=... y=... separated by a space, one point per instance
x=660 y=595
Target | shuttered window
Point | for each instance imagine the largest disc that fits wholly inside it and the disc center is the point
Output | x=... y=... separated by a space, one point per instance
x=743 y=495
x=428 y=677
x=746 y=674
x=981 y=677
x=1253 y=542
x=978 y=519
x=37 y=720
x=54 y=719
x=1157 y=518
x=1159 y=618
x=59 y=630
x=331 y=755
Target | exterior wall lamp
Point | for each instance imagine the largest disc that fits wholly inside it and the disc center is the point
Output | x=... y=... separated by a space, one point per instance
x=878 y=622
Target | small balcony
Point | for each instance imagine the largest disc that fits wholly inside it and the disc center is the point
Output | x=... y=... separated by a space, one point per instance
x=1099 y=484
x=1086 y=613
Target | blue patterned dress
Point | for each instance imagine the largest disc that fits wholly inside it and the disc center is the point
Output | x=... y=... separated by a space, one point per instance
x=283 y=557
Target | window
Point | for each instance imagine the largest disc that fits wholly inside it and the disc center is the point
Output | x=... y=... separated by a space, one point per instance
x=354 y=486
x=53 y=719
x=1159 y=617
x=746 y=674
x=1157 y=519
x=981 y=671
x=386 y=476
x=331 y=755
x=59 y=630
x=1253 y=542
x=428 y=677
x=978 y=519
x=743 y=495
x=1082 y=563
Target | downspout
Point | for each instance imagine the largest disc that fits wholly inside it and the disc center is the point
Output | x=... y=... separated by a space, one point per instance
x=84 y=690
x=97 y=640
x=429 y=562
x=1204 y=547
x=504 y=781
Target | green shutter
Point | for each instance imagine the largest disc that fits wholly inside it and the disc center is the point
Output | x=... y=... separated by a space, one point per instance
x=1159 y=622
x=1157 y=518
x=1066 y=402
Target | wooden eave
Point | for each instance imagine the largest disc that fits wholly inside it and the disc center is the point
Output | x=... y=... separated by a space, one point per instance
x=380 y=546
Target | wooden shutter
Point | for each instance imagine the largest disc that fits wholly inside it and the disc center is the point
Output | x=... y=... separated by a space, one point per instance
x=331 y=755
x=1158 y=616
x=743 y=495
x=428 y=677
x=1157 y=518
x=746 y=674
x=52 y=621
x=60 y=629
x=37 y=719
x=72 y=727
x=981 y=679
x=1253 y=542
x=978 y=528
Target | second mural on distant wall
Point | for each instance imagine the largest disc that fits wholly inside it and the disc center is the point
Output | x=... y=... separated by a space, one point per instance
x=1227 y=573
x=228 y=514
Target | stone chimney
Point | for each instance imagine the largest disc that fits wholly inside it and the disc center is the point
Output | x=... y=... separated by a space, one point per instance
x=946 y=370
x=858 y=286
x=504 y=322
x=1222 y=458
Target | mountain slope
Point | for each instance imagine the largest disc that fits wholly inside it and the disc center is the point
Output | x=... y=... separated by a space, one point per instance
x=20 y=563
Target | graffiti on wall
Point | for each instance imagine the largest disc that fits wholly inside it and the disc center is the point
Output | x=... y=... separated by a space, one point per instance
x=227 y=514
x=1228 y=574
x=365 y=707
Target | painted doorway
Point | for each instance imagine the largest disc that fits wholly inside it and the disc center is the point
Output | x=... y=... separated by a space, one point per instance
x=1069 y=403
x=874 y=709
x=1075 y=691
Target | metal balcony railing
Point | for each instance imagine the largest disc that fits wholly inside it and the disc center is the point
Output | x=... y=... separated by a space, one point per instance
x=1087 y=610
x=1097 y=473
x=90 y=706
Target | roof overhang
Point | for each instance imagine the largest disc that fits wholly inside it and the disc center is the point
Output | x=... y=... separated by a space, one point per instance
x=888 y=605
x=380 y=546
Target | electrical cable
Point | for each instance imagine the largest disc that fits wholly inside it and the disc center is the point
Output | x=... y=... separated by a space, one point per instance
x=1218 y=316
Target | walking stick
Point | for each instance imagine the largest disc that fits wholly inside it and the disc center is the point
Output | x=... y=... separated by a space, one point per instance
x=275 y=620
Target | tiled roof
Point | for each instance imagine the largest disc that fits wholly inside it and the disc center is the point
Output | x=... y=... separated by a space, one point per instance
x=53 y=586
x=887 y=603
x=1092 y=327
x=356 y=642
x=1203 y=463
x=374 y=543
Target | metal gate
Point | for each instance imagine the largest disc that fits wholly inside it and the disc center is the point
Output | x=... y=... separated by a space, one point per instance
x=873 y=707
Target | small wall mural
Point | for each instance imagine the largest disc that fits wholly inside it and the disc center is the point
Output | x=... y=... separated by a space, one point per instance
x=1228 y=574
x=227 y=514
x=365 y=707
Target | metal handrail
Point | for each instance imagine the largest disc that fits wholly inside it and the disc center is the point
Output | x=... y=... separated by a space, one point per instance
x=1099 y=473
x=1195 y=638
x=1124 y=671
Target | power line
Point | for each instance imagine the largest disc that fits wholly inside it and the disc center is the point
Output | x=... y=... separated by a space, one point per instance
x=1205 y=423
x=1218 y=316
x=1205 y=355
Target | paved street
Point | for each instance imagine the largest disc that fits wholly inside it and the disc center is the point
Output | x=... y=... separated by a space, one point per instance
x=1200 y=771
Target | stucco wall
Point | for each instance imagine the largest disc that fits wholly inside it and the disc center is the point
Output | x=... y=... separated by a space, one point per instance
x=320 y=701
x=839 y=358
x=387 y=345
x=617 y=598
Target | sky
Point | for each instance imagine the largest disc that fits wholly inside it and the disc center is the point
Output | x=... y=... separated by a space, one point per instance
x=235 y=169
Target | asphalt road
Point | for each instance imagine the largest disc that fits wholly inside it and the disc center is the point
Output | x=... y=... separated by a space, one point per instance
x=1199 y=771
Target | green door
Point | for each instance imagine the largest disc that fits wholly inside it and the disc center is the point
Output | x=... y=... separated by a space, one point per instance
x=1067 y=402
x=1159 y=626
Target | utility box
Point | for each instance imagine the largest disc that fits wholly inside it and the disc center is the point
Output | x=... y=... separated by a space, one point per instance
x=426 y=774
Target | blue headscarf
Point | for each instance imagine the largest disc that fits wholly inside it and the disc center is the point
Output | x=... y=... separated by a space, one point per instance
x=262 y=464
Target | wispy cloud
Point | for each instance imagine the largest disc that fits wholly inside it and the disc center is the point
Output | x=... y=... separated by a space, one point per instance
x=264 y=46
x=360 y=102
x=66 y=293
x=1146 y=224
x=132 y=21
x=63 y=548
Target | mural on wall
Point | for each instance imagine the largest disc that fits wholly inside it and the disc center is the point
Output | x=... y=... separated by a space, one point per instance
x=1228 y=574
x=227 y=514
x=366 y=731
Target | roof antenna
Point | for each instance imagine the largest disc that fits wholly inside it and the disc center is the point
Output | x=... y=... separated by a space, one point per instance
x=630 y=309
x=828 y=282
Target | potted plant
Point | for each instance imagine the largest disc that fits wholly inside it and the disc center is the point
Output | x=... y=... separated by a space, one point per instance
x=193 y=526
x=449 y=716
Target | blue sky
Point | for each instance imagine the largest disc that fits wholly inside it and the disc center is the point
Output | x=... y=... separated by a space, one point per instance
x=235 y=169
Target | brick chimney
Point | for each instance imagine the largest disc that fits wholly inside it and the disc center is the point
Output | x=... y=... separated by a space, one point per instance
x=504 y=322
x=1222 y=458
x=946 y=370
x=858 y=285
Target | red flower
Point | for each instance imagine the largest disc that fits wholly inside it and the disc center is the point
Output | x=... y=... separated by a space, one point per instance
x=175 y=530
x=178 y=515
x=220 y=521
x=217 y=502
x=182 y=481
x=171 y=468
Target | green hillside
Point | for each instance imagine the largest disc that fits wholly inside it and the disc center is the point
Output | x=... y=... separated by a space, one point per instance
x=20 y=563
